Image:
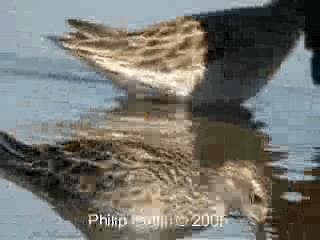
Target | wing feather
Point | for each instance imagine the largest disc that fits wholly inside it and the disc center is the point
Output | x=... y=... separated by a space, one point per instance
x=161 y=56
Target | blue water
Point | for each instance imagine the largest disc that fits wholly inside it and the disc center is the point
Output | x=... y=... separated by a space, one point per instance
x=40 y=85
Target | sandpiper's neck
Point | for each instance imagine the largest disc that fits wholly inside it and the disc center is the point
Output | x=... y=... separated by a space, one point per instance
x=291 y=10
x=297 y=5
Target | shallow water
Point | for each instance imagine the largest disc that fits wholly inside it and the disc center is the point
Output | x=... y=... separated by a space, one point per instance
x=40 y=85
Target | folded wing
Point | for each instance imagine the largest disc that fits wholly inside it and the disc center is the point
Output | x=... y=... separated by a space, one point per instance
x=168 y=56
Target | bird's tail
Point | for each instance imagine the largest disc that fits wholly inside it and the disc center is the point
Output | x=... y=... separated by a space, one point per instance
x=91 y=37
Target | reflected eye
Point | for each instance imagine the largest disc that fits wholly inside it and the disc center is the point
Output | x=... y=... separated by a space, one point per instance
x=256 y=199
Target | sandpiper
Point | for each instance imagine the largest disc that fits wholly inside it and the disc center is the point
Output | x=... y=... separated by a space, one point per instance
x=225 y=56
x=127 y=170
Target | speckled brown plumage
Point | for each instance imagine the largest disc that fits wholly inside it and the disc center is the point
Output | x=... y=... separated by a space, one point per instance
x=227 y=55
x=138 y=169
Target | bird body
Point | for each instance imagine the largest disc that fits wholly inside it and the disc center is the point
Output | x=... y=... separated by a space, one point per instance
x=227 y=55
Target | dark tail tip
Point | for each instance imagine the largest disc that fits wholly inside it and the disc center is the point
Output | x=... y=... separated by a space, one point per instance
x=78 y=23
x=74 y=21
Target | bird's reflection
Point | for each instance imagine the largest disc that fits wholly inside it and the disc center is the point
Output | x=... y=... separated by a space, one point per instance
x=211 y=137
x=146 y=138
